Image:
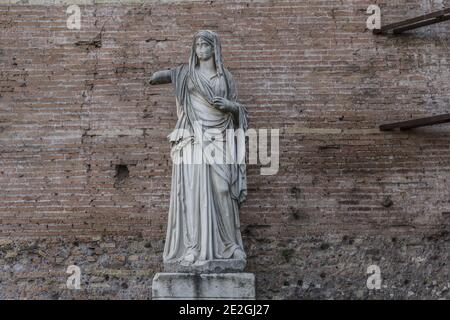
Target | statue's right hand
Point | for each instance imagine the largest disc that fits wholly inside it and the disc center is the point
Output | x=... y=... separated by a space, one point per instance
x=153 y=79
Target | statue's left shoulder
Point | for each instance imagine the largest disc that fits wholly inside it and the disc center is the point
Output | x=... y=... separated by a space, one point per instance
x=228 y=73
x=229 y=77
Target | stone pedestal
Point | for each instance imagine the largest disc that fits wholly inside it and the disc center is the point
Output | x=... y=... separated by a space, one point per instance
x=192 y=286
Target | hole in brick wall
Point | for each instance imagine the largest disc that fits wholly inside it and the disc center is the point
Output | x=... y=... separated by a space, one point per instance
x=387 y=202
x=121 y=173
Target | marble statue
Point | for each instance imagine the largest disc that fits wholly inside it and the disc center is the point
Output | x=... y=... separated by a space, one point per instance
x=203 y=224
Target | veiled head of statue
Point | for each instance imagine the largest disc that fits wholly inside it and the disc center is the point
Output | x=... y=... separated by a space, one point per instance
x=206 y=45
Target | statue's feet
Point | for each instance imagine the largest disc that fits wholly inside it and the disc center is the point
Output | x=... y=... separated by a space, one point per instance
x=239 y=255
x=190 y=257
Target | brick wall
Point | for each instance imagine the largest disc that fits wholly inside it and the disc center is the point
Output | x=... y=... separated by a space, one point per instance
x=85 y=166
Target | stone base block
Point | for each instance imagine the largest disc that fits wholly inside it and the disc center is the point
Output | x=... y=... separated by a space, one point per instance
x=208 y=266
x=191 y=286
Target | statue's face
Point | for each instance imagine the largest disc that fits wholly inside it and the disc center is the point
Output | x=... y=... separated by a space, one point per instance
x=203 y=49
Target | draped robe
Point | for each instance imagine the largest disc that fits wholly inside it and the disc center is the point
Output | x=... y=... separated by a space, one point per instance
x=205 y=196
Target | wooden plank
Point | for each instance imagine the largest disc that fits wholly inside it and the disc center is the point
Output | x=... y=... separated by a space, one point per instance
x=410 y=124
x=416 y=22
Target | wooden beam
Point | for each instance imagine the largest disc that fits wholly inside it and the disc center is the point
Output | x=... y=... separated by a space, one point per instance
x=421 y=24
x=410 y=124
x=417 y=22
